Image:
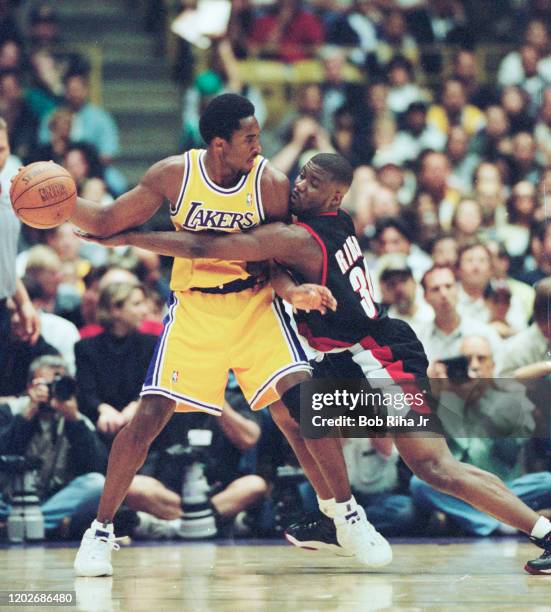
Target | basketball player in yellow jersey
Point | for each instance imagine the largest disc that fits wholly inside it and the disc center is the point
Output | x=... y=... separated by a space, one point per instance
x=217 y=319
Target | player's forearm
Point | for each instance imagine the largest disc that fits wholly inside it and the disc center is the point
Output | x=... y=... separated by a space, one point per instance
x=91 y=217
x=282 y=282
x=170 y=244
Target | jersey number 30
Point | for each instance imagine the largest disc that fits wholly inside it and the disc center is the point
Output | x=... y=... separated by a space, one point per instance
x=362 y=284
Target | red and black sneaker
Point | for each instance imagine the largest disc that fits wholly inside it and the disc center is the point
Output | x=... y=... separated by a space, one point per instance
x=541 y=565
x=315 y=532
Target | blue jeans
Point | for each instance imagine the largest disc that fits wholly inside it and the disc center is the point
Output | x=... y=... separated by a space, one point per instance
x=391 y=514
x=533 y=489
x=78 y=500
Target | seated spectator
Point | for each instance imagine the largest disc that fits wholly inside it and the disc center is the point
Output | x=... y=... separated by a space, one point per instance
x=43 y=27
x=11 y=55
x=454 y=109
x=463 y=163
x=442 y=338
x=21 y=120
x=45 y=92
x=84 y=165
x=540 y=248
x=43 y=265
x=501 y=261
x=467 y=220
x=526 y=355
x=395 y=40
x=112 y=365
x=403 y=90
x=434 y=178
x=378 y=203
x=542 y=133
x=490 y=193
x=438 y=22
x=336 y=91
x=393 y=236
x=96 y=281
x=515 y=101
x=497 y=296
x=91 y=124
x=70 y=479
x=444 y=250
x=286 y=32
x=417 y=135
x=522 y=165
x=500 y=418
x=59 y=124
x=511 y=69
x=400 y=292
x=465 y=69
x=56 y=331
x=372 y=466
x=493 y=141
x=521 y=208
x=474 y=272
x=20 y=352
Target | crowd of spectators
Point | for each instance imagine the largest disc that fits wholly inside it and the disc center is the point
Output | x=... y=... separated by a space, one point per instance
x=449 y=199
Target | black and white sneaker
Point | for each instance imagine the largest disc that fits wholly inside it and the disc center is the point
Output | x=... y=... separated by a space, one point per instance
x=315 y=532
x=541 y=565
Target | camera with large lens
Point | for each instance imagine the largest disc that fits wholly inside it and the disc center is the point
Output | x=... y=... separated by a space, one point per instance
x=198 y=519
x=286 y=496
x=25 y=521
x=62 y=388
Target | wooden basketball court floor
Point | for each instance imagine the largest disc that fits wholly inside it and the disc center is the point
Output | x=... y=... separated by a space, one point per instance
x=214 y=577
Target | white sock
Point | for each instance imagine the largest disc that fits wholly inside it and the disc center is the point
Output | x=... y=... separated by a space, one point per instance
x=102 y=526
x=541 y=528
x=344 y=508
x=327 y=506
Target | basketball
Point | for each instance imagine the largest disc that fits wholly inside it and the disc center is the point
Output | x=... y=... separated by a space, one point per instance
x=43 y=195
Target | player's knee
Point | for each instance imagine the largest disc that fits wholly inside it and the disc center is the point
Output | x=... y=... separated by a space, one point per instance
x=151 y=416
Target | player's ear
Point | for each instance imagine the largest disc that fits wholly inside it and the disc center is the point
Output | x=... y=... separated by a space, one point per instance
x=217 y=143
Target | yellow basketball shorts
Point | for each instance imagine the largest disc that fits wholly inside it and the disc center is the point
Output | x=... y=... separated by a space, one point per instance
x=205 y=335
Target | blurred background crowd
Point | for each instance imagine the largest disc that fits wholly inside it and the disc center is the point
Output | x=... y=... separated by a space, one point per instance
x=443 y=107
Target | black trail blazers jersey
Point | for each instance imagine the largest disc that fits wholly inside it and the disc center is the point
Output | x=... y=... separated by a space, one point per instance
x=345 y=273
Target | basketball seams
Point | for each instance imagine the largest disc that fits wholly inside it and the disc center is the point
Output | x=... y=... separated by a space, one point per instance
x=57 y=176
x=47 y=205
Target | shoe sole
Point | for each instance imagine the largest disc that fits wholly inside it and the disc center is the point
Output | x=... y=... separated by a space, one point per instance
x=536 y=572
x=81 y=574
x=317 y=545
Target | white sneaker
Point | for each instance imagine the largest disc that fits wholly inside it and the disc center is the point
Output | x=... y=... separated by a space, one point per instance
x=94 y=555
x=152 y=528
x=358 y=536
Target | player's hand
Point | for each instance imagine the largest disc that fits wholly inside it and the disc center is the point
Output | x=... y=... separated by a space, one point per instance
x=30 y=323
x=309 y=296
x=108 y=241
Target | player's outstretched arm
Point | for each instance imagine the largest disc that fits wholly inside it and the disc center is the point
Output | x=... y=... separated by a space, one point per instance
x=134 y=207
x=272 y=241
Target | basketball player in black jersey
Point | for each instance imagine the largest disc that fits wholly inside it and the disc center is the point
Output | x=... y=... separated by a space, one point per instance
x=358 y=339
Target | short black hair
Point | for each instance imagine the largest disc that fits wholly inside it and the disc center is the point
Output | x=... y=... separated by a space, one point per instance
x=396 y=223
x=222 y=116
x=338 y=168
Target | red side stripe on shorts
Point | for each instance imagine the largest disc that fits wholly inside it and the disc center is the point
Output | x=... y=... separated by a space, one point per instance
x=323 y=248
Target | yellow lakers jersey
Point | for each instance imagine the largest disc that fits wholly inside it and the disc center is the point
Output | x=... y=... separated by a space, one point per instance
x=203 y=205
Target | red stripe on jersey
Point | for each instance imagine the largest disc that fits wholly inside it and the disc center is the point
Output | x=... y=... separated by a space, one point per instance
x=395 y=369
x=328 y=214
x=323 y=248
x=325 y=345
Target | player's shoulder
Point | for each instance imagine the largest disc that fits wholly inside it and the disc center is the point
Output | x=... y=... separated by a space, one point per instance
x=274 y=187
x=166 y=174
x=273 y=178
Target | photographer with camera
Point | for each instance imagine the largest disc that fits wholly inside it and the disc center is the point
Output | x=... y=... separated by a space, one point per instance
x=46 y=425
x=487 y=422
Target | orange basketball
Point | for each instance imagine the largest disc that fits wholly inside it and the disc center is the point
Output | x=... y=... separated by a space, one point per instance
x=43 y=195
